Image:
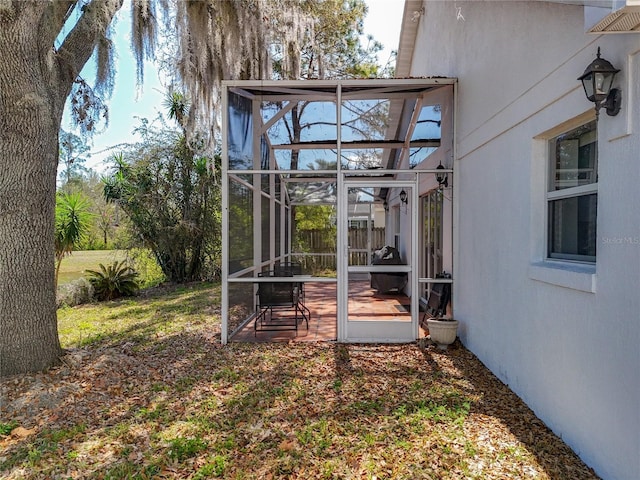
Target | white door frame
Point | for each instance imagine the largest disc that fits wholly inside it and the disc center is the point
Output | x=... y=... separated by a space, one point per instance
x=377 y=331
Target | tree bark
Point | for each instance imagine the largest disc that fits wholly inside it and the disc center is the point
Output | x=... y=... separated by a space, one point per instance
x=35 y=81
x=29 y=119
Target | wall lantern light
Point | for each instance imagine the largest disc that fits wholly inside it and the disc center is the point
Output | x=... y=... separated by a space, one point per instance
x=386 y=206
x=403 y=196
x=597 y=80
x=442 y=177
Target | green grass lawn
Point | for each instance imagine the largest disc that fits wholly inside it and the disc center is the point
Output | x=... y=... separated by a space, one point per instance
x=74 y=265
x=146 y=390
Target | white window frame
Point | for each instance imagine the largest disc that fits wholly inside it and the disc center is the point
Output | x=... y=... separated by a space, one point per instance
x=566 y=273
x=564 y=193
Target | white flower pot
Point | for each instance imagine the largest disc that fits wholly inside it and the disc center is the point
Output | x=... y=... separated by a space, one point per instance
x=442 y=332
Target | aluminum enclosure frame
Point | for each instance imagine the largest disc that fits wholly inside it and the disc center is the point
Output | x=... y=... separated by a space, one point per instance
x=405 y=98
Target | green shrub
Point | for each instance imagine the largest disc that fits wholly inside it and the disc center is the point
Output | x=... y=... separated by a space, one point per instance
x=150 y=273
x=76 y=292
x=114 y=281
x=93 y=242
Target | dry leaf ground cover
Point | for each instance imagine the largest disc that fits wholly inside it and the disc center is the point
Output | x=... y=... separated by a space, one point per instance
x=147 y=391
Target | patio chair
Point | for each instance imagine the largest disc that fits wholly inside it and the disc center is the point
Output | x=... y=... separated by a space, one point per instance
x=439 y=298
x=288 y=268
x=279 y=305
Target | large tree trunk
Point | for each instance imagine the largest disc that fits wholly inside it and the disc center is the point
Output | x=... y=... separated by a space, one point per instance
x=35 y=80
x=30 y=115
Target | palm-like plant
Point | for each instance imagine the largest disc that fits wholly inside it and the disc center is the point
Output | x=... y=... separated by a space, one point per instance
x=114 y=281
x=73 y=220
x=177 y=105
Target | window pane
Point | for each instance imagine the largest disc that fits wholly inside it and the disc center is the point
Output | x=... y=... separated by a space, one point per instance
x=278 y=237
x=287 y=216
x=266 y=228
x=241 y=298
x=364 y=158
x=240 y=227
x=303 y=119
x=572 y=228
x=429 y=124
x=574 y=159
x=240 y=139
x=364 y=120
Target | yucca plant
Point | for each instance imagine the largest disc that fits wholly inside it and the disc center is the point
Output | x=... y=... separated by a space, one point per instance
x=114 y=281
x=73 y=220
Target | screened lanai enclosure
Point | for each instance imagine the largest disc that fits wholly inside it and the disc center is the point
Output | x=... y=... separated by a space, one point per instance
x=337 y=208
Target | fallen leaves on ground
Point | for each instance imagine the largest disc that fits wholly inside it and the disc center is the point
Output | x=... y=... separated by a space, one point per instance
x=177 y=404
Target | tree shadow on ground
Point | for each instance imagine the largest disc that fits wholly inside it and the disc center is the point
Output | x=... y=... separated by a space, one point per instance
x=496 y=400
x=183 y=403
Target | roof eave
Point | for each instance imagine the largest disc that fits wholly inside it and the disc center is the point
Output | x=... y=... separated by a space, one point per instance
x=413 y=10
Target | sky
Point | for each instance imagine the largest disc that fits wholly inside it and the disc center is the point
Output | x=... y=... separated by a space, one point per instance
x=128 y=103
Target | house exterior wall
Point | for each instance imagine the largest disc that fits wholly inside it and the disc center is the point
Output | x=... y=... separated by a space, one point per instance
x=564 y=337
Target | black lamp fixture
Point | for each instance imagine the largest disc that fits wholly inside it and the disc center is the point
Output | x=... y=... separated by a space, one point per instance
x=403 y=196
x=597 y=80
x=442 y=177
x=386 y=206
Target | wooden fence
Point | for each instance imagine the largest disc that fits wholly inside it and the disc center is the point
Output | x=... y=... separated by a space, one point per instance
x=316 y=249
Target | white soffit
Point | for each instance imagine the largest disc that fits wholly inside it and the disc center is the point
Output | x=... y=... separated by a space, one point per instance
x=622 y=20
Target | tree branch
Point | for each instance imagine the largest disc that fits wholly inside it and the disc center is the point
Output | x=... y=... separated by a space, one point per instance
x=77 y=48
x=58 y=13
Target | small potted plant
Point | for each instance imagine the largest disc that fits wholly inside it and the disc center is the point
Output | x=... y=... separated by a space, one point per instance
x=443 y=330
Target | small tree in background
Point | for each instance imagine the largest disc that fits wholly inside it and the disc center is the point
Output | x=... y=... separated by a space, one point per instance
x=168 y=190
x=73 y=155
x=88 y=184
x=73 y=220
